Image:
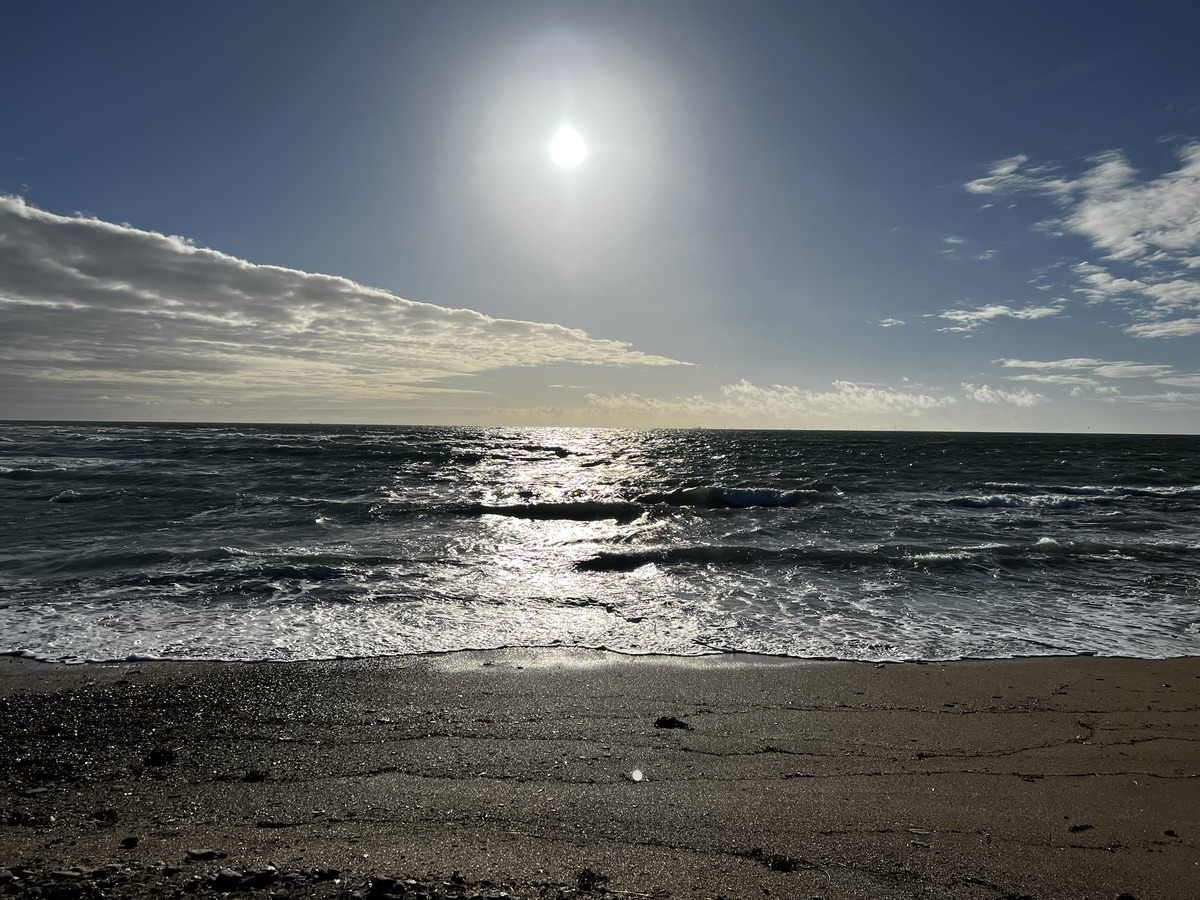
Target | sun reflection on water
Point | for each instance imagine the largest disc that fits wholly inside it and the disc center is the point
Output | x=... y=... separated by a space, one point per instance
x=557 y=465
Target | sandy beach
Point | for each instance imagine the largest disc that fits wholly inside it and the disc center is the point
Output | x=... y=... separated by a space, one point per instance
x=568 y=773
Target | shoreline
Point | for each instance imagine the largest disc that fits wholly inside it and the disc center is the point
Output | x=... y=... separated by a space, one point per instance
x=1066 y=777
x=11 y=660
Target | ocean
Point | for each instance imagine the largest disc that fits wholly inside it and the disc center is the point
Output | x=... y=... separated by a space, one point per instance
x=272 y=542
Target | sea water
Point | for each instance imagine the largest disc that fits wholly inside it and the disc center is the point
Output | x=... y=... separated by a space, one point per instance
x=288 y=542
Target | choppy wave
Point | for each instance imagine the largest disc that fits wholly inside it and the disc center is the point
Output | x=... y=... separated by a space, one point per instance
x=1015 y=501
x=1070 y=497
x=278 y=542
x=1037 y=553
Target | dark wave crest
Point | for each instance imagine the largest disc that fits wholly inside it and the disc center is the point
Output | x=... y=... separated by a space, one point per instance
x=583 y=511
x=741 y=498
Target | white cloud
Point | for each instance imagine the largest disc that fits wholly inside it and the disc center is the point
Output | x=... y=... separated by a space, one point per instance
x=846 y=398
x=1151 y=225
x=1099 y=390
x=890 y=323
x=746 y=403
x=1128 y=218
x=136 y=313
x=986 y=394
x=1169 y=329
x=1167 y=297
x=1181 y=380
x=970 y=319
x=1098 y=285
x=1176 y=294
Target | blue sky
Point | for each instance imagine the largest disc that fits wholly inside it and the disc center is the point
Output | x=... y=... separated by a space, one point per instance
x=936 y=215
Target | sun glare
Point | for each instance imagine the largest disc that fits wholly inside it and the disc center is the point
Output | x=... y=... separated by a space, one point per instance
x=567 y=150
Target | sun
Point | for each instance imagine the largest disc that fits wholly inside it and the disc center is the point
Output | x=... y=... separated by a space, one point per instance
x=567 y=149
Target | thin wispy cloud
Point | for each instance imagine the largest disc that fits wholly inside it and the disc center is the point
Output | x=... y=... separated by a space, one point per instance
x=1120 y=369
x=1132 y=370
x=1054 y=379
x=971 y=319
x=1062 y=372
x=1181 y=380
x=93 y=306
x=1174 y=328
x=1014 y=174
x=1073 y=363
x=957 y=248
x=1170 y=401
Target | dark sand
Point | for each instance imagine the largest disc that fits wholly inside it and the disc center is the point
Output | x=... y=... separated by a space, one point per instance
x=1045 y=778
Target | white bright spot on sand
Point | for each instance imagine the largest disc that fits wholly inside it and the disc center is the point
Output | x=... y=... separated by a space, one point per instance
x=567 y=149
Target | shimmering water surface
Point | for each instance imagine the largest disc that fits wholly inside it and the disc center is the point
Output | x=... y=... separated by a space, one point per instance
x=288 y=542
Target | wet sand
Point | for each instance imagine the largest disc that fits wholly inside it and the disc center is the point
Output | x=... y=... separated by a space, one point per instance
x=1044 y=778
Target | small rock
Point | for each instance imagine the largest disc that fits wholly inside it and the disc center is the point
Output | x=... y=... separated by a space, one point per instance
x=259 y=878
x=671 y=722
x=160 y=756
x=204 y=855
x=380 y=886
x=589 y=879
x=226 y=879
